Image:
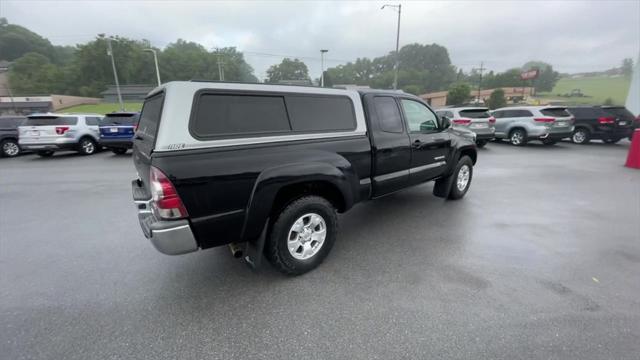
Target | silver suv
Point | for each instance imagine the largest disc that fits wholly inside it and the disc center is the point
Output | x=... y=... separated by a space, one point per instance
x=548 y=124
x=48 y=133
x=476 y=119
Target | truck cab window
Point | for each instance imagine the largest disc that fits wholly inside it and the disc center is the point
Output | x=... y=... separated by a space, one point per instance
x=419 y=118
x=388 y=114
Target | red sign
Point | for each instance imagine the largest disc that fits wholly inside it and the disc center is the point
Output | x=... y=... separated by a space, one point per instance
x=528 y=75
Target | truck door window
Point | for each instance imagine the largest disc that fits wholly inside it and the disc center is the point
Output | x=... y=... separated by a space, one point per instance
x=419 y=118
x=388 y=114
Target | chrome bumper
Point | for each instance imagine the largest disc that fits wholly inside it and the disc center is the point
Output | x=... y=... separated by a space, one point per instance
x=169 y=237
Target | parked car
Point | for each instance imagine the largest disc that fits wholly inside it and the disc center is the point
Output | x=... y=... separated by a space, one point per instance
x=594 y=122
x=265 y=168
x=9 y=146
x=117 y=130
x=476 y=119
x=519 y=125
x=48 y=133
x=623 y=114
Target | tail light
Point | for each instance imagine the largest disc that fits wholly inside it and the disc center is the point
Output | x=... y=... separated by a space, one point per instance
x=463 y=122
x=544 y=119
x=165 y=197
x=60 y=130
x=606 y=120
x=492 y=120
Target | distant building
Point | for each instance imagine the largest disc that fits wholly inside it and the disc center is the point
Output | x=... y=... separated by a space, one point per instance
x=512 y=94
x=130 y=93
x=25 y=105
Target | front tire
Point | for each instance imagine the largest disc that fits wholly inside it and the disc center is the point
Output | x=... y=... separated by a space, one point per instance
x=518 y=137
x=462 y=176
x=9 y=148
x=580 y=136
x=87 y=146
x=302 y=235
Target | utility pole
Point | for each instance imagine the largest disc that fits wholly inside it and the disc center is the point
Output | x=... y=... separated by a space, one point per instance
x=115 y=73
x=155 y=59
x=398 y=8
x=480 y=69
x=322 y=51
x=220 y=66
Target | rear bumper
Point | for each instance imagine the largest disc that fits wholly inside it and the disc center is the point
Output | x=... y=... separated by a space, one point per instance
x=116 y=143
x=58 y=144
x=168 y=237
x=556 y=135
x=612 y=133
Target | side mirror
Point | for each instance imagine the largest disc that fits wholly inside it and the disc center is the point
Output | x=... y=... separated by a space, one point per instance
x=445 y=123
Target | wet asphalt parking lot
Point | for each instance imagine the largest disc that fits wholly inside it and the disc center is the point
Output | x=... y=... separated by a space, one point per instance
x=541 y=260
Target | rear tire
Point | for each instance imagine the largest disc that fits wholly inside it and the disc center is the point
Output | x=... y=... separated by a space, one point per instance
x=45 y=153
x=481 y=143
x=580 y=136
x=292 y=235
x=119 y=151
x=87 y=146
x=9 y=148
x=518 y=137
x=462 y=176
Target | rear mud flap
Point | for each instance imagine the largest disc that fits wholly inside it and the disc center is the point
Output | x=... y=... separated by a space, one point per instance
x=255 y=249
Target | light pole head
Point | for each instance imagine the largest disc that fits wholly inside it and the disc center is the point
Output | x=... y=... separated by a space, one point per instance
x=324 y=50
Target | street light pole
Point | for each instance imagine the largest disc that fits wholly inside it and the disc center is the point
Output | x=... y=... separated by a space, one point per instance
x=115 y=73
x=155 y=59
x=397 y=64
x=322 y=51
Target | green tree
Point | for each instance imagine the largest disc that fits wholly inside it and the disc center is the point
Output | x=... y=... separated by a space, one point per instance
x=413 y=89
x=33 y=74
x=459 y=94
x=547 y=78
x=16 y=41
x=497 y=99
x=288 y=70
x=627 y=67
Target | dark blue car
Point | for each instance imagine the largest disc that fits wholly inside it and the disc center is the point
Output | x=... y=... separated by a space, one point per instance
x=117 y=130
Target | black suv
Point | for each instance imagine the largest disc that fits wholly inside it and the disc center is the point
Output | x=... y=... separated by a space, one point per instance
x=624 y=114
x=9 y=135
x=265 y=168
x=593 y=122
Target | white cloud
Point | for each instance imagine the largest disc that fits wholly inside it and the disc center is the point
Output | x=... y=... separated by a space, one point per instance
x=573 y=36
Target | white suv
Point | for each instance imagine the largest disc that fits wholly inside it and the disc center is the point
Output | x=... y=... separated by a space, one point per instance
x=548 y=124
x=48 y=133
x=476 y=119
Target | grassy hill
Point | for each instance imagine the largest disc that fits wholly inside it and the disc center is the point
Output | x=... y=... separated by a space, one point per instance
x=596 y=90
x=101 y=108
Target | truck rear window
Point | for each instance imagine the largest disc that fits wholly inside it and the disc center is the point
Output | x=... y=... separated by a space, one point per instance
x=150 y=116
x=475 y=113
x=51 y=121
x=555 y=112
x=230 y=115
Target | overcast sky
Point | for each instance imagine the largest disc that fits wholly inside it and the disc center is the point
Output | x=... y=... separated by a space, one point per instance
x=574 y=36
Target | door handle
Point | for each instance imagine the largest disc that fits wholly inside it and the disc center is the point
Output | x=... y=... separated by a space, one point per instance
x=417 y=144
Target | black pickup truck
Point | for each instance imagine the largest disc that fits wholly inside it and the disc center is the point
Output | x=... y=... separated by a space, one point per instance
x=265 y=168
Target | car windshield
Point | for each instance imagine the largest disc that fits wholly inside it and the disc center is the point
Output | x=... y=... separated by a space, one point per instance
x=51 y=120
x=475 y=113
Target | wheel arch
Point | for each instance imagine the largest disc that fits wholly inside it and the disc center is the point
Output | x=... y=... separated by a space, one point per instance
x=276 y=187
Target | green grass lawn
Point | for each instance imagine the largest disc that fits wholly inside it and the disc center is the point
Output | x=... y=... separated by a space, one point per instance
x=596 y=90
x=101 y=108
